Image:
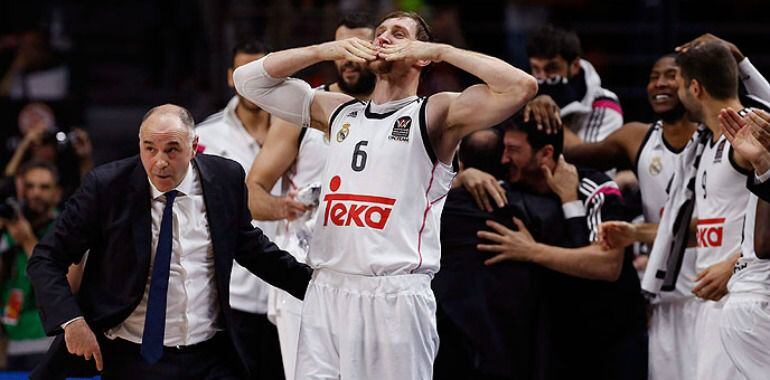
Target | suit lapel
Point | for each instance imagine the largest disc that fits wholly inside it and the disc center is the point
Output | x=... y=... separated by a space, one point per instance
x=215 y=211
x=141 y=219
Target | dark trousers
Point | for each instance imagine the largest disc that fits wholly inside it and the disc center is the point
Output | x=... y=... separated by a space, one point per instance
x=213 y=359
x=261 y=346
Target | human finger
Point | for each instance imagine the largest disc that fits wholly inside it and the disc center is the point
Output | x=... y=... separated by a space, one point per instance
x=527 y=111
x=98 y=358
x=495 y=260
x=701 y=275
x=498 y=227
x=762 y=114
x=538 y=118
x=359 y=53
x=756 y=120
x=491 y=236
x=476 y=197
x=363 y=48
x=520 y=225
x=494 y=189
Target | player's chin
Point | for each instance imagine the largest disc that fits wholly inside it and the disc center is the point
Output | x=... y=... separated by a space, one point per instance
x=380 y=66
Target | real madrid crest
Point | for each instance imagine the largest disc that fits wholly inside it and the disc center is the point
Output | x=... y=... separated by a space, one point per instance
x=343 y=133
x=656 y=165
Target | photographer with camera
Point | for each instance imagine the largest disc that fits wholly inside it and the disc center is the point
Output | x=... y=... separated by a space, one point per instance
x=41 y=140
x=24 y=220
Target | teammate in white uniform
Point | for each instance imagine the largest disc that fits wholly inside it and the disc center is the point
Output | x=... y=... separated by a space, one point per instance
x=708 y=82
x=745 y=324
x=297 y=157
x=239 y=132
x=369 y=312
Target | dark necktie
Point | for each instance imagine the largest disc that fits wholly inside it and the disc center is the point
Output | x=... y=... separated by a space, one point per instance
x=155 y=319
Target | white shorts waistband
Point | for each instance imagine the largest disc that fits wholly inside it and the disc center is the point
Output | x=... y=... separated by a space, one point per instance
x=372 y=285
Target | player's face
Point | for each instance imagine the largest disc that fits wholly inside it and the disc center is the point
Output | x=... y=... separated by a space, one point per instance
x=518 y=157
x=392 y=31
x=663 y=86
x=690 y=102
x=353 y=75
x=165 y=150
x=239 y=60
x=546 y=68
x=40 y=190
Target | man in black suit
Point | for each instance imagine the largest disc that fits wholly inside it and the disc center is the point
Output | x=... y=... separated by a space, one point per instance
x=162 y=230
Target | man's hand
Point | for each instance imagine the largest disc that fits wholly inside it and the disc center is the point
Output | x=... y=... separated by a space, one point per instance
x=482 y=185
x=711 y=284
x=511 y=245
x=616 y=234
x=21 y=232
x=546 y=113
x=708 y=37
x=412 y=49
x=749 y=136
x=82 y=342
x=352 y=49
x=81 y=144
x=563 y=180
x=291 y=208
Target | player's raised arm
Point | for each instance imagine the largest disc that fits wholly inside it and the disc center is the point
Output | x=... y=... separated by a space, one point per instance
x=266 y=81
x=505 y=90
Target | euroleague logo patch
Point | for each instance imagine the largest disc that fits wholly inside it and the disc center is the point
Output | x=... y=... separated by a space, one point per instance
x=356 y=210
x=401 y=129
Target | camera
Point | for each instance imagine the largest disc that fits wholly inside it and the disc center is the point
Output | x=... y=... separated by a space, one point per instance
x=10 y=209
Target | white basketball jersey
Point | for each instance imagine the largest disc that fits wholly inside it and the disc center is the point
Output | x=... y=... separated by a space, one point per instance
x=720 y=204
x=655 y=166
x=383 y=192
x=294 y=235
x=751 y=274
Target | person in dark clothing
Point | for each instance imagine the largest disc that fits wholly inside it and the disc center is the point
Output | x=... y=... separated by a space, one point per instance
x=490 y=318
x=592 y=296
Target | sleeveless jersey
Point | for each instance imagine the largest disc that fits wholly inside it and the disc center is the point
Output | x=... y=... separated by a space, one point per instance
x=294 y=235
x=751 y=274
x=383 y=192
x=655 y=165
x=720 y=204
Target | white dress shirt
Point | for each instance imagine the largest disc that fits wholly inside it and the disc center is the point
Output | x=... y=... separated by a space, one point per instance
x=192 y=307
x=222 y=134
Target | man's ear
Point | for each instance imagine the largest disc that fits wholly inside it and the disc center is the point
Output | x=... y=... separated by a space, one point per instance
x=696 y=89
x=547 y=155
x=230 y=81
x=194 y=147
x=574 y=66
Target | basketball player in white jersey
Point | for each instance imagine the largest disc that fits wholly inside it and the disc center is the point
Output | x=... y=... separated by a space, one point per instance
x=369 y=312
x=745 y=326
x=297 y=157
x=708 y=82
x=651 y=150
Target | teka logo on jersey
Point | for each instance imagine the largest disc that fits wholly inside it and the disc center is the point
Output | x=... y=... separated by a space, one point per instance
x=356 y=209
x=710 y=232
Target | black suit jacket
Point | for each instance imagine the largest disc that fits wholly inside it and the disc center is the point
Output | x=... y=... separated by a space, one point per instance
x=110 y=216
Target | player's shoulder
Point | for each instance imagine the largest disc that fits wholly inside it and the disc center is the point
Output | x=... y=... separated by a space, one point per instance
x=592 y=181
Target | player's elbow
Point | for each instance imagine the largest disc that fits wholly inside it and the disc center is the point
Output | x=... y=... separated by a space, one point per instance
x=528 y=87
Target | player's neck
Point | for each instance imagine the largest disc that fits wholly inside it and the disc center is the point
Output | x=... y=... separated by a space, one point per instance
x=388 y=88
x=711 y=113
x=679 y=132
x=255 y=122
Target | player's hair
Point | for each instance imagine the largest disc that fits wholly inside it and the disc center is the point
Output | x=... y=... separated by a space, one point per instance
x=248 y=47
x=537 y=138
x=549 y=42
x=356 y=20
x=713 y=66
x=37 y=164
x=482 y=150
x=423 y=29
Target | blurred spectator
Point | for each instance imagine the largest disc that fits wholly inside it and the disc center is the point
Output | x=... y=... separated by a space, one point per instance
x=41 y=140
x=570 y=88
x=36 y=71
x=25 y=221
